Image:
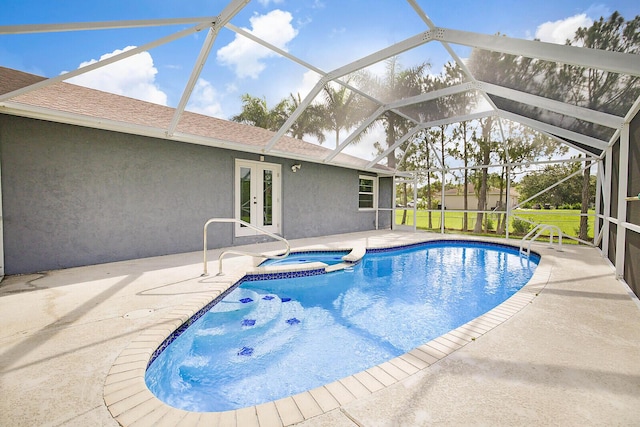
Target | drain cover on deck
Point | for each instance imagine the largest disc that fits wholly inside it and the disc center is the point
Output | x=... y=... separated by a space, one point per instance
x=137 y=314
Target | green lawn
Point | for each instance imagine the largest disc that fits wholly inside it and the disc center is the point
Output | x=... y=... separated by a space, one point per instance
x=567 y=220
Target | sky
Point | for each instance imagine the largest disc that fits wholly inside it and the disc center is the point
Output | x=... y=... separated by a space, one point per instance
x=324 y=33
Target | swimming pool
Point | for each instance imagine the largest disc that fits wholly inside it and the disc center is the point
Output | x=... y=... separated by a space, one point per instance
x=268 y=339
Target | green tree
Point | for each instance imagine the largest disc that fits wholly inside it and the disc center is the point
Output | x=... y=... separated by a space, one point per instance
x=312 y=121
x=343 y=108
x=569 y=192
x=256 y=113
x=597 y=89
x=462 y=148
x=397 y=83
x=419 y=158
x=485 y=145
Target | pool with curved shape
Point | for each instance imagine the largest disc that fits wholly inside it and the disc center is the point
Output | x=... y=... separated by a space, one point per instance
x=276 y=335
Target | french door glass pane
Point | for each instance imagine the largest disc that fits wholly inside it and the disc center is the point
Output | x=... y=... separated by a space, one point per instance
x=245 y=194
x=267 y=197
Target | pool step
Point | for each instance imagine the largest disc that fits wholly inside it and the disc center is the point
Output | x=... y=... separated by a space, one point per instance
x=350 y=259
x=355 y=255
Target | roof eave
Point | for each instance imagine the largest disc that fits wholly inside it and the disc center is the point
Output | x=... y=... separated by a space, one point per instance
x=40 y=113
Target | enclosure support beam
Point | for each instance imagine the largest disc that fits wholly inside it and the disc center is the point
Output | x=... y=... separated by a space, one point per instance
x=544 y=127
x=381 y=55
x=384 y=154
x=607 y=201
x=566 y=178
x=229 y=12
x=102 y=25
x=615 y=62
x=107 y=61
x=596 y=225
x=623 y=178
x=604 y=119
x=193 y=78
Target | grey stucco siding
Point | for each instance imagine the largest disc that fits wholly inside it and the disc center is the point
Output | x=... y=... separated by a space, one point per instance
x=321 y=200
x=76 y=196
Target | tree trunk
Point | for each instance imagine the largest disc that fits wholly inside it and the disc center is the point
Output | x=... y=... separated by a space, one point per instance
x=485 y=146
x=501 y=219
x=391 y=139
x=482 y=200
x=584 y=220
x=404 y=202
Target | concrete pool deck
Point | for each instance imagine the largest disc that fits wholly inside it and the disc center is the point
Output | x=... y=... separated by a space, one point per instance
x=565 y=352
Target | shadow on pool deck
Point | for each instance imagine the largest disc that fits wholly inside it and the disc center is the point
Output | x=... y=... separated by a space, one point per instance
x=568 y=358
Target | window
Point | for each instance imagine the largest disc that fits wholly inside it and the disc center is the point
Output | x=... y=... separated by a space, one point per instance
x=367 y=192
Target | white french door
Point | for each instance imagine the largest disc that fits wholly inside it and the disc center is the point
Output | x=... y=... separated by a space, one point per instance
x=257 y=196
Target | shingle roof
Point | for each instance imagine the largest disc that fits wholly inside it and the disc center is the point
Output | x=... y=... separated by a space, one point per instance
x=82 y=102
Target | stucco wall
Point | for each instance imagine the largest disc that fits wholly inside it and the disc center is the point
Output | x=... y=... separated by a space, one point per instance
x=320 y=200
x=79 y=196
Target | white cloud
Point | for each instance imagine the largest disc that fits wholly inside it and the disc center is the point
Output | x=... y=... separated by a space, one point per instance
x=133 y=77
x=364 y=149
x=247 y=57
x=559 y=31
x=309 y=80
x=265 y=3
x=205 y=99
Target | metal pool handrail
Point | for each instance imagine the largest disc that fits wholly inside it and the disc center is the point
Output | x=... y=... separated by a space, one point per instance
x=233 y=251
x=540 y=228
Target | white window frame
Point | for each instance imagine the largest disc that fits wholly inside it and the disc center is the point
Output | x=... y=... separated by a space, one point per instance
x=374 y=192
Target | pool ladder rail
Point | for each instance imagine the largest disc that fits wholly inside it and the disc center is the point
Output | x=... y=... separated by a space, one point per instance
x=538 y=230
x=233 y=251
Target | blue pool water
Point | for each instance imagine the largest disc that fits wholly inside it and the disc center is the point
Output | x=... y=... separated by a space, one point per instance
x=269 y=339
x=330 y=258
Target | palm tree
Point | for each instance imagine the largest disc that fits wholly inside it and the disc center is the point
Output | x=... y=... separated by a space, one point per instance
x=256 y=113
x=343 y=109
x=312 y=121
x=396 y=84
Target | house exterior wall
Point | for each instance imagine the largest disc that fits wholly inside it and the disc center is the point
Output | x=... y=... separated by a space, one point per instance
x=457 y=201
x=77 y=196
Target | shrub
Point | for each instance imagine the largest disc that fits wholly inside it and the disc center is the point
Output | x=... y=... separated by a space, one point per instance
x=520 y=226
x=489 y=224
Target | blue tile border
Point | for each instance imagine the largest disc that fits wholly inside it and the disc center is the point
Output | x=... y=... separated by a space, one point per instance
x=444 y=242
x=282 y=275
x=305 y=273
